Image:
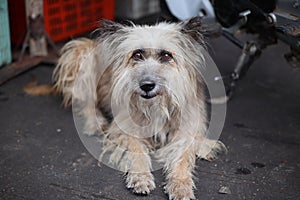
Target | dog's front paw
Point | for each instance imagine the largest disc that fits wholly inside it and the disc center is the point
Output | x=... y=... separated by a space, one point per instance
x=180 y=189
x=140 y=183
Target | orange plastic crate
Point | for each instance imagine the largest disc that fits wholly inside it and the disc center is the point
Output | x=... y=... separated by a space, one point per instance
x=63 y=19
x=68 y=18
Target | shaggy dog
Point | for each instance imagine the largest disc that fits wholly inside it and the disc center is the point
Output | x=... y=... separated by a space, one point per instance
x=141 y=88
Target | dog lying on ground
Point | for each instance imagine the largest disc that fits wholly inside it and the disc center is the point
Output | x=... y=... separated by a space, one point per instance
x=140 y=87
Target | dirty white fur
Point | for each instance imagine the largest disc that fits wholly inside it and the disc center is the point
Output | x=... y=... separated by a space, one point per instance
x=102 y=76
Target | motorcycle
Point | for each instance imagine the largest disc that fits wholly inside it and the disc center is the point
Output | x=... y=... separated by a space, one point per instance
x=268 y=21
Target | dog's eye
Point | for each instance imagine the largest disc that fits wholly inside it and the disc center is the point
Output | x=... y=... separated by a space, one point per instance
x=137 y=55
x=165 y=56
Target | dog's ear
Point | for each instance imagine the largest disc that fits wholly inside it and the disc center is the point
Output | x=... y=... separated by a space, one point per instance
x=107 y=28
x=193 y=28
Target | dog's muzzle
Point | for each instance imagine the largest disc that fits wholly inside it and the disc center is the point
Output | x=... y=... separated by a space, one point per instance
x=148 y=89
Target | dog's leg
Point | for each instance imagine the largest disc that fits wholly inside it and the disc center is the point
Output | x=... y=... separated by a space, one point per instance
x=131 y=155
x=95 y=122
x=180 y=184
x=84 y=105
x=180 y=160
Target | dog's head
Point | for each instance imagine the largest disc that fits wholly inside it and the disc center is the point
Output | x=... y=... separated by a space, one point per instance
x=154 y=64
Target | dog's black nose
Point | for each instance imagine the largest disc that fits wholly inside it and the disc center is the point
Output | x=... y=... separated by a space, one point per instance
x=147 y=86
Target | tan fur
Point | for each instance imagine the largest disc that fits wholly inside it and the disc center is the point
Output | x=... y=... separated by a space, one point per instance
x=68 y=66
x=103 y=81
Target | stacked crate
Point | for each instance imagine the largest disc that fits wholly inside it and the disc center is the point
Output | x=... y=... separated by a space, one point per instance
x=63 y=19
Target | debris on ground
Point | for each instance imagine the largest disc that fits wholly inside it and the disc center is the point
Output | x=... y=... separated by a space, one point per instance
x=224 y=190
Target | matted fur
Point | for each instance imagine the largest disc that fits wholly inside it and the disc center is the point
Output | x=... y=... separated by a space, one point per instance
x=104 y=78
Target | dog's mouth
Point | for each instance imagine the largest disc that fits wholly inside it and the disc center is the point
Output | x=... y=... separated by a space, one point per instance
x=148 y=96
